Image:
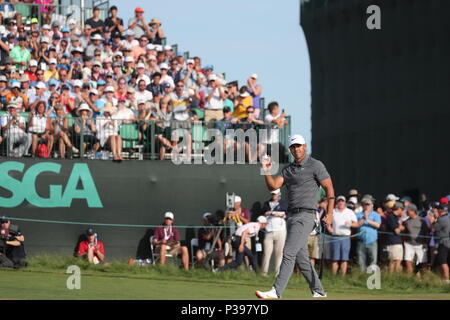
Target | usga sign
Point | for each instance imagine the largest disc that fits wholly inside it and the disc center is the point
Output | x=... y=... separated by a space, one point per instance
x=26 y=189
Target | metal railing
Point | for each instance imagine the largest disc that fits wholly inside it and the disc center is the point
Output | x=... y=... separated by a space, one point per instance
x=73 y=9
x=69 y=137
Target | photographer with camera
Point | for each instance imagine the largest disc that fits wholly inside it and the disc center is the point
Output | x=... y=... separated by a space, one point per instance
x=12 y=252
x=206 y=237
x=92 y=249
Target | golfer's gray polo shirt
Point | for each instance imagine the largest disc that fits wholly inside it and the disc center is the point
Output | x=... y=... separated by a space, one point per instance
x=302 y=181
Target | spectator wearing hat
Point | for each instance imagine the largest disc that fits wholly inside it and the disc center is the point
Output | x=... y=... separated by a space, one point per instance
x=113 y=22
x=205 y=238
x=21 y=54
x=39 y=125
x=95 y=103
x=12 y=252
x=85 y=126
x=182 y=116
x=255 y=91
x=60 y=131
x=441 y=227
x=15 y=95
x=165 y=77
x=214 y=97
x=109 y=97
x=275 y=211
x=96 y=44
x=91 y=249
x=156 y=34
x=417 y=230
x=369 y=222
x=167 y=239
x=163 y=116
x=95 y=22
x=108 y=131
x=32 y=70
x=51 y=72
x=394 y=246
x=189 y=75
x=343 y=220
x=137 y=24
x=141 y=74
x=13 y=128
x=239 y=239
x=241 y=103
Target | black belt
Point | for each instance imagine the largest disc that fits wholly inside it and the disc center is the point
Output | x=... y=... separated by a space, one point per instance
x=298 y=210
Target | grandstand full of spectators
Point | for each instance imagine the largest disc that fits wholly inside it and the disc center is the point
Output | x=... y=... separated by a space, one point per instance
x=70 y=90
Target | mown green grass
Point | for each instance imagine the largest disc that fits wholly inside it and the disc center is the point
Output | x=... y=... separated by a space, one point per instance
x=45 y=278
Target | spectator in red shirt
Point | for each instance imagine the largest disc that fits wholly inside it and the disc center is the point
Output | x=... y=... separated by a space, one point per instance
x=92 y=249
x=167 y=235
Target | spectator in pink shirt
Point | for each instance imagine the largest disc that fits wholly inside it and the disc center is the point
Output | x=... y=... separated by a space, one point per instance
x=248 y=230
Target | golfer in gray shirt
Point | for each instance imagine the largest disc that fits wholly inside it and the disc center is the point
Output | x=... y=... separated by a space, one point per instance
x=302 y=179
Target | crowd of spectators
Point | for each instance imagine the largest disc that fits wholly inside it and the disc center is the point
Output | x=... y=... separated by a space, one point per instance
x=109 y=74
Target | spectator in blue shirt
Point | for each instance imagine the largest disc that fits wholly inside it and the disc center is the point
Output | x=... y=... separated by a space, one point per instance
x=369 y=222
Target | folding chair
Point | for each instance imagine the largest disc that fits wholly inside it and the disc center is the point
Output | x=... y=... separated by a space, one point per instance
x=157 y=255
x=194 y=243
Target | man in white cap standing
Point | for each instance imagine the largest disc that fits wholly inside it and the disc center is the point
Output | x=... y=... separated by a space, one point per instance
x=244 y=232
x=302 y=179
x=167 y=240
x=275 y=210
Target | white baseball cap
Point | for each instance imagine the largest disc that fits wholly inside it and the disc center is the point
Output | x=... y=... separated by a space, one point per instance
x=78 y=83
x=237 y=199
x=46 y=27
x=206 y=215
x=140 y=65
x=168 y=215
x=97 y=63
x=190 y=61
x=392 y=197
x=129 y=33
x=15 y=85
x=129 y=59
x=254 y=76
x=164 y=66
x=97 y=37
x=141 y=101
x=118 y=53
x=167 y=47
x=33 y=63
x=151 y=46
x=262 y=219
x=53 y=61
x=159 y=47
x=41 y=85
x=275 y=191
x=109 y=89
x=296 y=139
x=94 y=91
x=212 y=77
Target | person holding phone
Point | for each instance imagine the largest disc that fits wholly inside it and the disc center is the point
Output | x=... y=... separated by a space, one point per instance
x=92 y=249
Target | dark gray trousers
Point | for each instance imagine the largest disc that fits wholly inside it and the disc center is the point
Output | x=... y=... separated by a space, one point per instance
x=299 y=226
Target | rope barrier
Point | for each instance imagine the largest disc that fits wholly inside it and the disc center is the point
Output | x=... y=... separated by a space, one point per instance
x=336 y=239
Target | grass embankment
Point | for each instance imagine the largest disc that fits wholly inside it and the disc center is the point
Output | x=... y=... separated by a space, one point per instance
x=45 y=278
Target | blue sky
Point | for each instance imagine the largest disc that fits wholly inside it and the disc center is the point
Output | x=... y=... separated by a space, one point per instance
x=240 y=38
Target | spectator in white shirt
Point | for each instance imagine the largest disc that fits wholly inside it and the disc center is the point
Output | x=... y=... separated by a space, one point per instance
x=343 y=220
x=275 y=210
x=214 y=96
